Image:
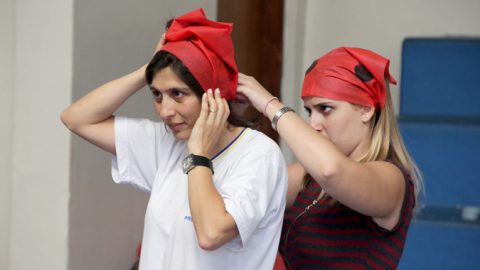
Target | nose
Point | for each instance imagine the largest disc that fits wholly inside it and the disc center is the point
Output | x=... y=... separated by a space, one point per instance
x=165 y=108
x=316 y=121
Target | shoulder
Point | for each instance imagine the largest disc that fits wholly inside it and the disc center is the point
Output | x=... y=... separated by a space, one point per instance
x=262 y=143
x=256 y=146
x=144 y=132
x=139 y=125
x=136 y=122
x=387 y=168
x=390 y=178
x=404 y=171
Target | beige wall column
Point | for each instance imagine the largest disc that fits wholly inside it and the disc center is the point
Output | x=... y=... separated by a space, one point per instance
x=41 y=147
x=7 y=43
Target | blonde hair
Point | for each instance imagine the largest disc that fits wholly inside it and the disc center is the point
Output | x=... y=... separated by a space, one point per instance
x=386 y=143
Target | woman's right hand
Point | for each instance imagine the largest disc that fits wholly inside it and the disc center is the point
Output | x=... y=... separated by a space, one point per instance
x=256 y=94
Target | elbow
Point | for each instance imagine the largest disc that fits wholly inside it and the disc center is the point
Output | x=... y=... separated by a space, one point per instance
x=209 y=241
x=66 y=120
x=328 y=175
x=208 y=246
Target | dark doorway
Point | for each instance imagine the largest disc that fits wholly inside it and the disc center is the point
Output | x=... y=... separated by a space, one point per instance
x=258 y=39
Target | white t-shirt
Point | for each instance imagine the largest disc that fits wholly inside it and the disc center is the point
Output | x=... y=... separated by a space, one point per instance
x=250 y=175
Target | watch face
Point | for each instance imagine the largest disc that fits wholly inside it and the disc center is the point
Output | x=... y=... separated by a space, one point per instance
x=187 y=163
x=191 y=161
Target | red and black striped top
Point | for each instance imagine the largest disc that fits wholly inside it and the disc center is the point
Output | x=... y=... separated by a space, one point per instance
x=332 y=236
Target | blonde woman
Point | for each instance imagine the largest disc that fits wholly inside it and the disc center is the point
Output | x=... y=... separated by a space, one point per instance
x=352 y=193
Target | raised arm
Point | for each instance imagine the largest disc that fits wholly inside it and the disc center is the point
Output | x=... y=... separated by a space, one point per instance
x=375 y=188
x=91 y=117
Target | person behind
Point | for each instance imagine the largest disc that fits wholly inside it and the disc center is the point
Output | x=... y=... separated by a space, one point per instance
x=212 y=204
x=352 y=193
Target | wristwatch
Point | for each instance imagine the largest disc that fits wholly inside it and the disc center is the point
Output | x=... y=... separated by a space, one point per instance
x=191 y=161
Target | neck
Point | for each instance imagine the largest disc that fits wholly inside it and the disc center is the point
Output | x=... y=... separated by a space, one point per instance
x=228 y=135
x=360 y=151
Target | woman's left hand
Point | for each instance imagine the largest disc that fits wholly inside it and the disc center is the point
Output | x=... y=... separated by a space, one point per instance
x=210 y=125
x=253 y=91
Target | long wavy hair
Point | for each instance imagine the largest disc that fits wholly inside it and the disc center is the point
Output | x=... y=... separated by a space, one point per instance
x=386 y=142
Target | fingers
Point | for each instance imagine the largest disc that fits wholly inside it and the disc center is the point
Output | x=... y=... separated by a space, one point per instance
x=212 y=102
x=247 y=84
x=223 y=110
x=226 y=111
x=160 y=43
x=242 y=79
x=204 y=111
x=243 y=76
x=212 y=107
x=218 y=108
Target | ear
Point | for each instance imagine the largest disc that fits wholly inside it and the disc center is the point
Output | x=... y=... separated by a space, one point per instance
x=367 y=113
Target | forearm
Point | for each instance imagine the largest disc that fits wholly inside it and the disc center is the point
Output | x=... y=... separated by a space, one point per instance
x=214 y=226
x=319 y=156
x=101 y=103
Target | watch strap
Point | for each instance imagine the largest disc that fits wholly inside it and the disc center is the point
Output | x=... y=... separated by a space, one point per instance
x=200 y=161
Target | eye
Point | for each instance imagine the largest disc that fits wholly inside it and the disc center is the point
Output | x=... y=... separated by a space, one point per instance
x=177 y=93
x=325 y=108
x=309 y=111
x=156 y=93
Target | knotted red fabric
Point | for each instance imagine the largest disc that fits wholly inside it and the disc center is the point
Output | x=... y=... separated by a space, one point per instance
x=205 y=47
x=349 y=74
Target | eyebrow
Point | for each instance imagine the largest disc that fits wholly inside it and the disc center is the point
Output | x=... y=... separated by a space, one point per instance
x=152 y=88
x=325 y=103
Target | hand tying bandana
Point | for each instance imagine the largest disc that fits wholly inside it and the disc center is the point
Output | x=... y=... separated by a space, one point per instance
x=205 y=47
x=349 y=74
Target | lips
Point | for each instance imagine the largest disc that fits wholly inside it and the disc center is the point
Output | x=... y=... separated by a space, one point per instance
x=176 y=127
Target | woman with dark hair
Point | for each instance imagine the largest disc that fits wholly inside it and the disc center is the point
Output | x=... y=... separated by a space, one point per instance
x=212 y=204
x=352 y=193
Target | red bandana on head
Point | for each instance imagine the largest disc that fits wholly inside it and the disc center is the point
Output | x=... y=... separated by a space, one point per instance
x=349 y=74
x=205 y=47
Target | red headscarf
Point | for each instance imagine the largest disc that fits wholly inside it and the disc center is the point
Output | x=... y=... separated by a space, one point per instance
x=349 y=74
x=205 y=47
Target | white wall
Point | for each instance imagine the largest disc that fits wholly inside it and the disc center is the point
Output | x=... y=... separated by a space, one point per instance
x=293 y=51
x=111 y=38
x=380 y=26
x=6 y=115
x=40 y=154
